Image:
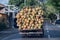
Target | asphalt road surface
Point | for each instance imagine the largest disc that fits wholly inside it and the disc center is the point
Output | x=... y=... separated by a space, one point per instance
x=51 y=32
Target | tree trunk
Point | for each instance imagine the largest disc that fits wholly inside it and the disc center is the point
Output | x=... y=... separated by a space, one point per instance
x=57 y=14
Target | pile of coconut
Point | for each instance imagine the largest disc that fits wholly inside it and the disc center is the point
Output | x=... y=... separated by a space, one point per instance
x=30 y=18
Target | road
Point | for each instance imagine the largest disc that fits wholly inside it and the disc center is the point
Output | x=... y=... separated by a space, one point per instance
x=51 y=32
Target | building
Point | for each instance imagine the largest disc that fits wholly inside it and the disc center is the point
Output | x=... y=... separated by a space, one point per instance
x=8 y=12
x=2 y=8
x=3 y=16
x=11 y=11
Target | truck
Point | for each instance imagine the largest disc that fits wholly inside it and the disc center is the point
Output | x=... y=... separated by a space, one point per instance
x=30 y=21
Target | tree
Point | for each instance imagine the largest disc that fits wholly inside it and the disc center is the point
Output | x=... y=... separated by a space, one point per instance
x=54 y=4
x=20 y=3
x=16 y=2
x=52 y=17
x=48 y=8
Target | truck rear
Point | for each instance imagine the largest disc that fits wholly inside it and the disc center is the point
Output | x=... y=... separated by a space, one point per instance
x=30 y=21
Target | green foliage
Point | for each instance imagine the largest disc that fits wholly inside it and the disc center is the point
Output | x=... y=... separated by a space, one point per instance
x=2 y=26
x=52 y=16
x=54 y=3
x=20 y=3
x=21 y=6
x=52 y=6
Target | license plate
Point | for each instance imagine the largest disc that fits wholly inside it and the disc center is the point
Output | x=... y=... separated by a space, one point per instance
x=31 y=32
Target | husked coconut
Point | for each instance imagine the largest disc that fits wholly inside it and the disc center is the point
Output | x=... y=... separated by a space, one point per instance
x=29 y=18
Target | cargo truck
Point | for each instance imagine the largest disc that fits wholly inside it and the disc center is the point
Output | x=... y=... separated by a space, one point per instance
x=30 y=21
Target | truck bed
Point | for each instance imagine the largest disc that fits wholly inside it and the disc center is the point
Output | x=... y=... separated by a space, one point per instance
x=32 y=30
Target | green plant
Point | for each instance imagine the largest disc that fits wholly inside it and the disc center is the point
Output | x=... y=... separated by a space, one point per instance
x=52 y=17
x=2 y=26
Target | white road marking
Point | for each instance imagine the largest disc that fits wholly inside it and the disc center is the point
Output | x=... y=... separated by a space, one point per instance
x=47 y=29
x=58 y=25
x=48 y=36
x=48 y=32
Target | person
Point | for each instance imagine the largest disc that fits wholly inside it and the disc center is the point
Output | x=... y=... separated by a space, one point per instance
x=15 y=24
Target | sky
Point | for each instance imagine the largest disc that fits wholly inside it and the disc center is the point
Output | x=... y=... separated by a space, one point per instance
x=5 y=2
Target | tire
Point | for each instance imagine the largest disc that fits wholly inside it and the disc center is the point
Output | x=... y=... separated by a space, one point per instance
x=42 y=35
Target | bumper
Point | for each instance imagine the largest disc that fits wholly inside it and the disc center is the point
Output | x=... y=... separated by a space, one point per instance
x=27 y=33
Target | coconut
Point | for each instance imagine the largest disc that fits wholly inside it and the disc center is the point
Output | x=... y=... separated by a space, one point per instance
x=26 y=17
x=18 y=15
x=24 y=26
x=28 y=27
x=22 y=16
